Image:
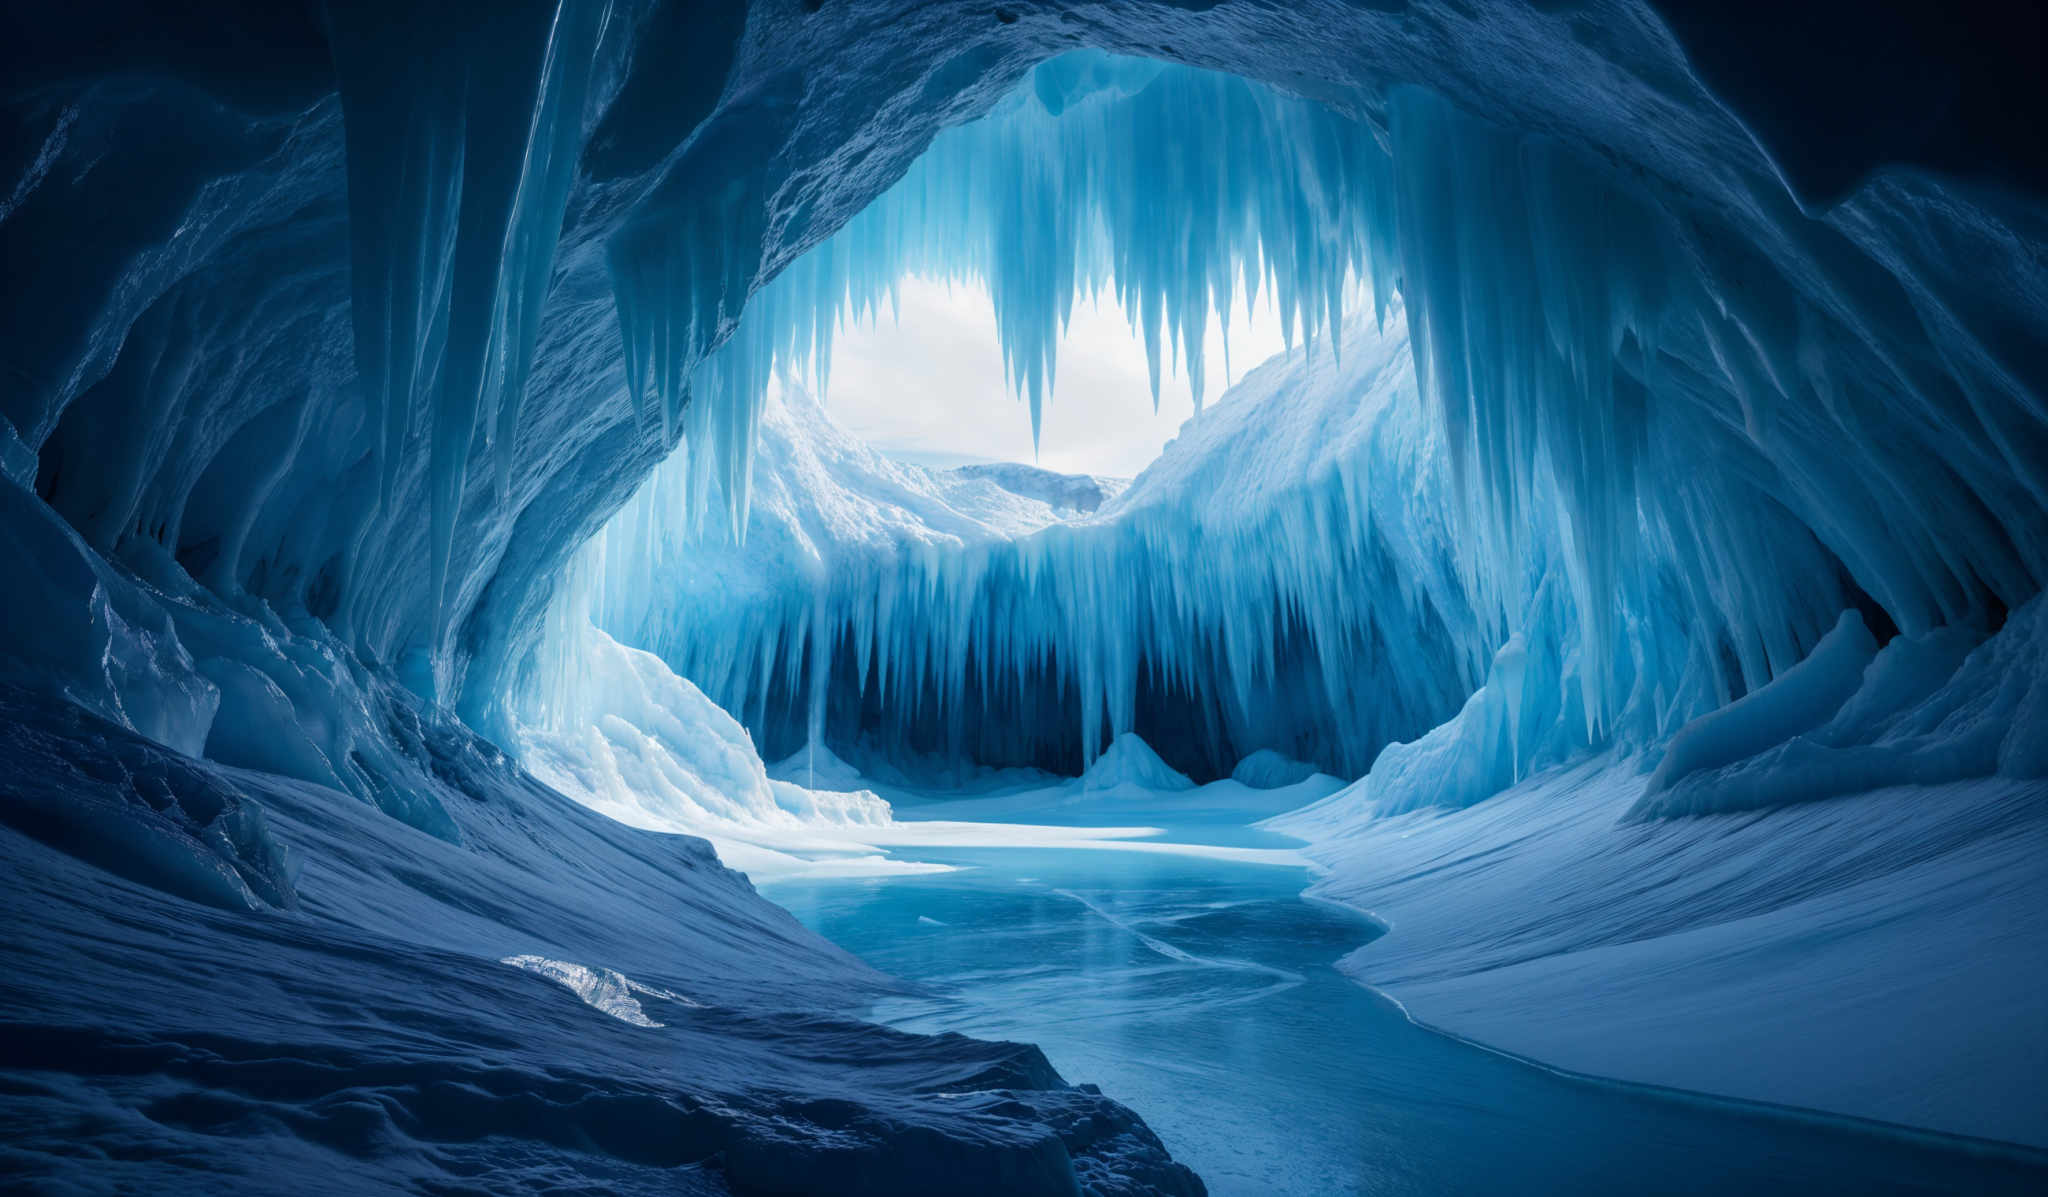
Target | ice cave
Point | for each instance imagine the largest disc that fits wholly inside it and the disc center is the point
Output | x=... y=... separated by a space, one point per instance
x=1112 y=597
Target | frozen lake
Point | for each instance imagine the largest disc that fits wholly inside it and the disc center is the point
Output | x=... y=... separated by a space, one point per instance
x=1200 y=991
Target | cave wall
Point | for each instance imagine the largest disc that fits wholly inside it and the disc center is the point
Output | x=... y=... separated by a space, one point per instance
x=202 y=209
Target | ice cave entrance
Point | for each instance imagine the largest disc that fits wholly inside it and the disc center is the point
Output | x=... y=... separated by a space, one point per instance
x=901 y=526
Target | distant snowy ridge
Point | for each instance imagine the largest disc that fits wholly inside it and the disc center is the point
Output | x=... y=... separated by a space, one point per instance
x=1082 y=493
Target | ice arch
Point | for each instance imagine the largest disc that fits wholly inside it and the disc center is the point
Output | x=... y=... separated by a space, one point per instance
x=286 y=374
x=1574 y=336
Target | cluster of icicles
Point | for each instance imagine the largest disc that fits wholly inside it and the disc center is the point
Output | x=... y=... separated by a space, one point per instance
x=1655 y=419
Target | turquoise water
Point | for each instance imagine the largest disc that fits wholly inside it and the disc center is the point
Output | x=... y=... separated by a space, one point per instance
x=1201 y=993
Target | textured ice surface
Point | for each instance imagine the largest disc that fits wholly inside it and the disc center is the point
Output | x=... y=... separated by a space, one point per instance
x=631 y=739
x=1876 y=955
x=1603 y=267
x=372 y=1019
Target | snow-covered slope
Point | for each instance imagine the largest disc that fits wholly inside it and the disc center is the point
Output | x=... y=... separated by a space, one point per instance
x=1833 y=893
x=1130 y=763
x=372 y=954
x=1877 y=955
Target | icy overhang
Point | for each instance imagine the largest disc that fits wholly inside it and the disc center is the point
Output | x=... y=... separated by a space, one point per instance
x=273 y=344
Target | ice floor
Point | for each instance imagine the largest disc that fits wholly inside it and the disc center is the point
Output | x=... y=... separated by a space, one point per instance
x=1200 y=986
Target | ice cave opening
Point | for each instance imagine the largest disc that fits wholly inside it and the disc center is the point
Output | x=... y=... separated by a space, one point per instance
x=1469 y=573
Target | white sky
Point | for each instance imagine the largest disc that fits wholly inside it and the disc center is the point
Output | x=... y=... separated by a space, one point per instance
x=930 y=387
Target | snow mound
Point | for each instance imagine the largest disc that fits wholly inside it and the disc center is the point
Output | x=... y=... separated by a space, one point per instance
x=1268 y=770
x=817 y=767
x=1129 y=762
x=622 y=734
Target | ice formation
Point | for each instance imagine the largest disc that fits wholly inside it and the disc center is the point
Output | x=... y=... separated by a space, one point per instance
x=1130 y=763
x=624 y=735
x=334 y=332
x=1280 y=578
x=1606 y=283
x=1266 y=769
x=1571 y=338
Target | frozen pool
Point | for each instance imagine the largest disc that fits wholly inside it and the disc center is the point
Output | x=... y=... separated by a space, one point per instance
x=1201 y=992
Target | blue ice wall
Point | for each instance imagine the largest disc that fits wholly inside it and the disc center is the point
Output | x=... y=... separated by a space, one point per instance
x=274 y=282
x=1647 y=489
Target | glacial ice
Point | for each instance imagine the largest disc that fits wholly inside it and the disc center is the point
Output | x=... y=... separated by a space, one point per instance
x=1501 y=509
x=967 y=620
x=1797 y=700
x=627 y=737
x=325 y=361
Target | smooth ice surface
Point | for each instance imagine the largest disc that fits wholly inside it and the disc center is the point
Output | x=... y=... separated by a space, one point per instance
x=1205 y=989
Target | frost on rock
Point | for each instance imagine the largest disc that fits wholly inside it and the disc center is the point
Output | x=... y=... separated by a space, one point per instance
x=602 y=989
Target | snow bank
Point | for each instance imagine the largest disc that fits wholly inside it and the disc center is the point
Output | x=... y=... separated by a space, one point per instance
x=1800 y=699
x=1924 y=711
x=1872 y=955
x=1268 y=770
x=625 y=736
x=1876 y=956
x=1130 y=763
x=305 y=972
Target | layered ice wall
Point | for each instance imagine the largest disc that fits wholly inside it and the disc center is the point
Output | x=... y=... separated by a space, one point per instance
x=1605 y=265
x=1285 y=576
x=1603 y=499
x=332 y=331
